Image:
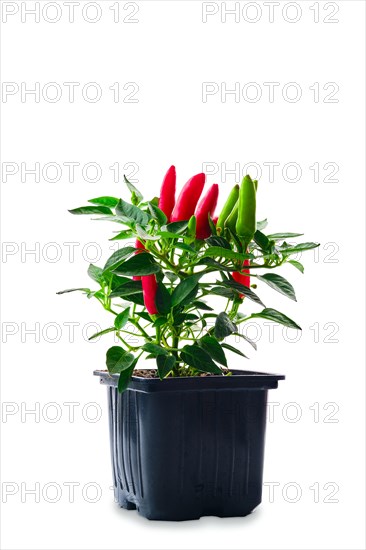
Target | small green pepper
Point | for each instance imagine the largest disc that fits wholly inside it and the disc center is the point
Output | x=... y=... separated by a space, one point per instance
x=228 y=207
x=191 y=228
x=231 y=220
x=246 y=223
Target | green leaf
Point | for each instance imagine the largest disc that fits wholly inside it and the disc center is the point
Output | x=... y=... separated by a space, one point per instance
x=202 y=305
x=184 y=288
x=198 y=358
x=122 y=318
x=262 y=224
x=213 y=348
x=140 y=264
x=118 y=257
x=242 y=289
x=212 y=226
x=280 y=236
x=163 y=299
x=234 y=350
x=278 y=283
x=251 y=342
x=215 y=251
x=209 y=316
x=136 y=194
x=186 y=247
x=171 y=276
x=297 y=248
x=296 y=264
x=175 y=227
x=125 y=234
x=99 y=294
x=118 y=359
x=118 y=281
x=144 y=315
x=181 y=318
x=157 y=214
x=111 y=202
x=86 y=290
x=165 y=365
x=131 y=213
x=113 y=218
x=190 y=297
x=232 y=236
x=145 y=236
x=218 y=241
x=262 y=241
x=95 y=273
x=224 y=292
x=224 y=326
x=136 y=298
x=213 y=263
x=88 y=210
x=131 y=287
x=168 y=235
x=276 y=317
x=154 y=349
x=125 y=377
x=102 y=332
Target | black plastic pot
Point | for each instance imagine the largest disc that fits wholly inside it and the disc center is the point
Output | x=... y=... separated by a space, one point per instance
x=183 y=448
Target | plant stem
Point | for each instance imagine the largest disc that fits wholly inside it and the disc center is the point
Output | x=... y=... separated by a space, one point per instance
x=108 y=308
x=142 y=330
x=243 y=320
x=130 y=348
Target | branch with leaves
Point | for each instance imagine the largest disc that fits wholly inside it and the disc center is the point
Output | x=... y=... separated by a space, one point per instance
x=161 y=285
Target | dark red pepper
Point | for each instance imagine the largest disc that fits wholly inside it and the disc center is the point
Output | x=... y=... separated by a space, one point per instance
x=242 y=279
x=149 y=288
x=206 y=207
x=139 y=245
x=188 y=198
x=167 y=193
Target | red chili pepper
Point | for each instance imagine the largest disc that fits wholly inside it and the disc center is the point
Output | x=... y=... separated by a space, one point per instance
x=149 y=288
x=138 y=244
x=188 y=198
x=167 y=192
x=214 y=219
x=242 y=279
x=205 y=207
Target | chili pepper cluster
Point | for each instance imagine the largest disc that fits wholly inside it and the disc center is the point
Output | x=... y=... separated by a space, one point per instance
x=238 y=216
x=184 y=253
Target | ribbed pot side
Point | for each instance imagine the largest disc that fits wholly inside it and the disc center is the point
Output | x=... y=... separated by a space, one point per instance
x=189 y=450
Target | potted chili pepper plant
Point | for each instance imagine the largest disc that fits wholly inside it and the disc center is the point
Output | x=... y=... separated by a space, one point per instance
x=187 y=434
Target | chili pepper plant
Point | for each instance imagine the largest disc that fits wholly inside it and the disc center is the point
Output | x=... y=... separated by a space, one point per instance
x=181 y=255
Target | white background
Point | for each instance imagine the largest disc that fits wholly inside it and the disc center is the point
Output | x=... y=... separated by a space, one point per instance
x=169 y=53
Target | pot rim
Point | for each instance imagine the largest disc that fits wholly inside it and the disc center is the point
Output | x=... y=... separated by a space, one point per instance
x=240 y=379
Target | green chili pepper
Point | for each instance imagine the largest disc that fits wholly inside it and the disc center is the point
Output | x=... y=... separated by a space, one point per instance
x=246 y=223
x=231 y=220
x=228 y=207
x=255 y=185
x=191 y=228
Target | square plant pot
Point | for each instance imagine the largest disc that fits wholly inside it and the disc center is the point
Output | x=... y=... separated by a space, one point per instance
x=183 y=448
